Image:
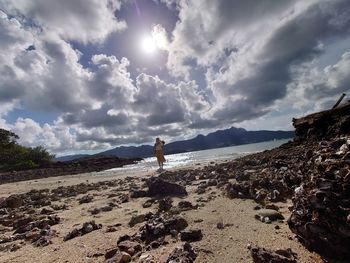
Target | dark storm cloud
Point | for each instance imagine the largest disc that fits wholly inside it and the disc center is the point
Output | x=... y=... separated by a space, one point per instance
x=96 y=118
x=291 y=45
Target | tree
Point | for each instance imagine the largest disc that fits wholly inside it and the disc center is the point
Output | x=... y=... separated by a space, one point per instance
x=17 y=157
x=7 y=138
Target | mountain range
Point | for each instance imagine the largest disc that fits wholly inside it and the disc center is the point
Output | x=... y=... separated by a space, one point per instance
x=221 y=138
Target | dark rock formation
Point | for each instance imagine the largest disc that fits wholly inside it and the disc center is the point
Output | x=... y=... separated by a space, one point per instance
x=262 y=255
x=86 y=165
x=325 y=124
x=160 y=187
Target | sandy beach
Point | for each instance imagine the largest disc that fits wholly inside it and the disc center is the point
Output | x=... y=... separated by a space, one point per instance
x=217 y=245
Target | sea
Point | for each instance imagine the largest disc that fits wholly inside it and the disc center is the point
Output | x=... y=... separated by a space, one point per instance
x=179 y=160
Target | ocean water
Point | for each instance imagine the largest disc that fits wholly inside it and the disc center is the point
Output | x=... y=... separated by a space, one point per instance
x=202 y=157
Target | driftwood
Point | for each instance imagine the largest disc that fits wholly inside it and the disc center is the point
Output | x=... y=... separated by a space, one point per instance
x=338 y=102
x=323 y=124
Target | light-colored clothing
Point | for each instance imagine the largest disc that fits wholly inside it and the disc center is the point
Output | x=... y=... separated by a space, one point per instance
x=158 y=148
x=160 y=156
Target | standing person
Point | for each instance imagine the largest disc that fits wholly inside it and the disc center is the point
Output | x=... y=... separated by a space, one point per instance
x=159 y=153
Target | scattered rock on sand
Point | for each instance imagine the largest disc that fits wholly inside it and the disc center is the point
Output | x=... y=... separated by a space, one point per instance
x=183 y=254
x=157 y=227
x=130 y=247
x=85 y=229
x=262 y=255
x=186 y=205
x=137 y=219
x=117 y=257
x=86 y=199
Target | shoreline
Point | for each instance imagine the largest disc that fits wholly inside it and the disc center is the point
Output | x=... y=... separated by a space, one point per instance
x=220 y=202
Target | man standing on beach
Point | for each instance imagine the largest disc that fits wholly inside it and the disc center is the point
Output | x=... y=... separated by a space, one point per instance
x=159 y=153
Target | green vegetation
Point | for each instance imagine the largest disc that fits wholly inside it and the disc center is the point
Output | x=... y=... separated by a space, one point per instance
x=14 y=157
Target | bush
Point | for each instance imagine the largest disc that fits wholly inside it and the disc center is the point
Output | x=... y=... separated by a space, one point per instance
x=24 y=165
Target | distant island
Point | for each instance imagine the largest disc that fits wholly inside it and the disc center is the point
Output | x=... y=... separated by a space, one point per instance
x=221 y=138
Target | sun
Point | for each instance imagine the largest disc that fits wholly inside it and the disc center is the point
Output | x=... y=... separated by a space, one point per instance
x=148 y=45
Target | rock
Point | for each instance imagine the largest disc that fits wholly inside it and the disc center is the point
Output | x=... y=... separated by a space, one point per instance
x=268 y=215
x=212 y=182
x=130 y=247
x=86 y=199
x=123 y=198
x=111 y=252
x=165 y=204
x=42 y=241
x=183 y=254
x=159 y=187
x=137 y=193
x=137 y=219
x=319 y=215
x=119 y=257
x=186 y=205
x=148 y=203
x=272 y=206
x=13 y=201
x=145 y=258
x=173 y=233
x=157 y=227
x=85 y=229
x=191 y=235
x=220 y=225
x=200 y=190
x=46 y=211
x=262 y=255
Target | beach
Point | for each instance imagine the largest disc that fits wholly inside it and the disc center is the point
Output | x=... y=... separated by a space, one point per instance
x=228 y=224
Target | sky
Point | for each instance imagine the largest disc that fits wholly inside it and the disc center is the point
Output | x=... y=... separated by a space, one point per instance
x=88 y=75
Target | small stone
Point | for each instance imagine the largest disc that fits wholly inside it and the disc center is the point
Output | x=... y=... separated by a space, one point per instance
x=271 y=214
x=220 y=225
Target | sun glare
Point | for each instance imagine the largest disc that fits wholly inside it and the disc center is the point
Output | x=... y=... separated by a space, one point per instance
x=148 y=45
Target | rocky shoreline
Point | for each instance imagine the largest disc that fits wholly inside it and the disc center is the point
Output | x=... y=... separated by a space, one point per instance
x=155 y=219
x=84 y=165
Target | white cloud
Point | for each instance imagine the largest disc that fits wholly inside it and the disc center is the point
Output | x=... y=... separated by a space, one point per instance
x=254 y=68
x=80 y=20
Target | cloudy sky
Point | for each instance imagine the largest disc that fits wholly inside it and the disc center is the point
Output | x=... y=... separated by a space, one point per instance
x=87 y=75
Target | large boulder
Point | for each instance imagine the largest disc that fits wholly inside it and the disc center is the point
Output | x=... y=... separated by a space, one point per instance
x=160 y=187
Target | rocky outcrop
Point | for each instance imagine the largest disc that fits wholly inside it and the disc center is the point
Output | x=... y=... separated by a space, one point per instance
x=65 y=168
x=324 y=124
x=321 y=206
